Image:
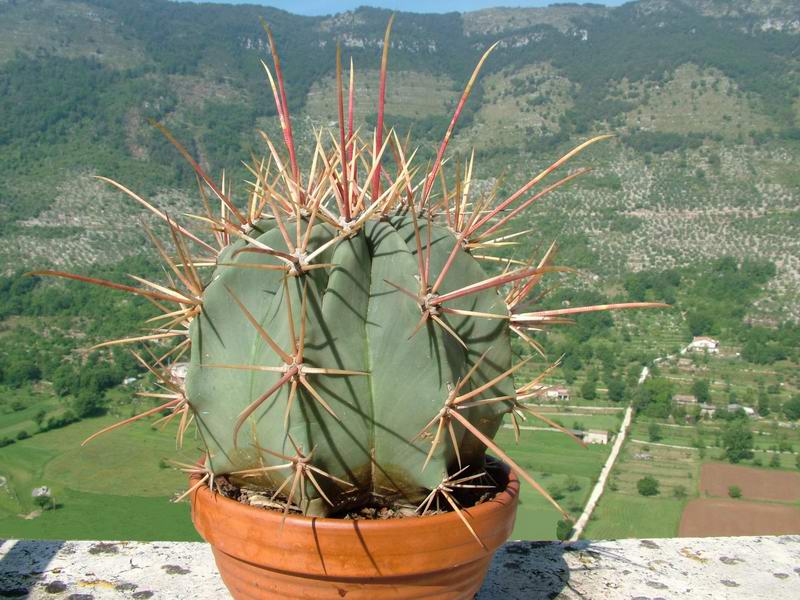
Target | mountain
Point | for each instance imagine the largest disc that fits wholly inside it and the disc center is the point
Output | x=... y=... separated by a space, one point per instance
x=701 y=94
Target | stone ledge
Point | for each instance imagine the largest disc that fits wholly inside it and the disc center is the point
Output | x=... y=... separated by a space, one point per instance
x=745 y=567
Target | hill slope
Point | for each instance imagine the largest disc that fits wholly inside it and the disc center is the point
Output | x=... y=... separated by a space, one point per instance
x=702 y=95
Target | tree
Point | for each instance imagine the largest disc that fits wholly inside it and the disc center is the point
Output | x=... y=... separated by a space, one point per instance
x=21 y=371
x=654 y=397
x=775 y=461
x=763 y=404
x=42 y=501
x=700 y=323
x=700 y=389
x=792 y=408
x=654 y=432
x=737 y=440
x=563 y=530
x=648 y=486
x=64 y=380
x=616 y=389
x=589 y=389
x=39 y=418
x=87 y=404
x=735 y=491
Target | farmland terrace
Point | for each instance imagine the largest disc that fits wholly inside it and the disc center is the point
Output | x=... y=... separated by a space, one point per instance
x=743 y=567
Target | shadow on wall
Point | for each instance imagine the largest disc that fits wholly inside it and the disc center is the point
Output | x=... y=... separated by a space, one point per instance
x=530 y=570
x=22 y=562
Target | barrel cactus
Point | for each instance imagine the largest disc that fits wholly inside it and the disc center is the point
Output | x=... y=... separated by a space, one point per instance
x=349 y=327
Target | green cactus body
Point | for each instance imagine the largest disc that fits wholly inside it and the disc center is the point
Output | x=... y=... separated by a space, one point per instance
x=354 y=321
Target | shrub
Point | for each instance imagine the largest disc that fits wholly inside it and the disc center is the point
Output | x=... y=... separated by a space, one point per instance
x=616 y=389
x=792 y=408
x=700 y=389
x=67 y=418
x=679 y=491
x=737 y=440
x=573 y=485
x=775 y=461
x=563 y=530
x=734 y=491
x=654 y=432
x=23 y=435
x=648 y=486
x=87 y=404
x=557 y=492
x=589 y=389
x=42 y=501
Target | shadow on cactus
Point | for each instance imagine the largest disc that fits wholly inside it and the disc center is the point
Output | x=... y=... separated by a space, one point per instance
x=348 y=325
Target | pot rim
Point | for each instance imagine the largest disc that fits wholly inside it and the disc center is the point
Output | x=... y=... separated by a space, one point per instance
x=504 y=497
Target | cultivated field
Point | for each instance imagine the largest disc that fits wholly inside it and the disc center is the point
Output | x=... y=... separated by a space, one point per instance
x=622 y=512
x=724 y=517
x=693 y=498
x=620 y=516
x=118 y=487
x=716 y=514
x=755 y=484
x=558 y=463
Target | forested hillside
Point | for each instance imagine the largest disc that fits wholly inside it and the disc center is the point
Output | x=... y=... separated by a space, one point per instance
x=695 y=202
x=701 y=94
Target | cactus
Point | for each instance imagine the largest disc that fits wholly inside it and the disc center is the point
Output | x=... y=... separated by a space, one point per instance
x=349 y=327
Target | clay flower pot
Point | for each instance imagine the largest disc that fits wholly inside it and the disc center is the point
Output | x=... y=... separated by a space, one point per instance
x=426 y=557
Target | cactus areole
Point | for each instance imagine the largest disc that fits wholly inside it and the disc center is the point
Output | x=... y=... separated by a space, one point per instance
x=349 y=324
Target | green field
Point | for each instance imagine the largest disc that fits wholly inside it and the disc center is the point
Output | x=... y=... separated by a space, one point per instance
x=628 y=516
x=32 y=399
x=551 y=458
x=622 y=512
x=766 y=436
x=582 y=421
x=113 y=488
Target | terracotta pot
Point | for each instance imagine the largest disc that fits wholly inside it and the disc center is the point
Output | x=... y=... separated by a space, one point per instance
x=425 y=557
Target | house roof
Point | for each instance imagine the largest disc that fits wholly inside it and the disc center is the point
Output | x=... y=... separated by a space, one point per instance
x=559 y=390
